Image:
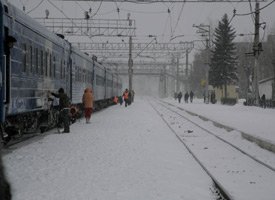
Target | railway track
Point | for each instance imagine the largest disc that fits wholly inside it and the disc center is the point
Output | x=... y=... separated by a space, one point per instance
x=236 y=173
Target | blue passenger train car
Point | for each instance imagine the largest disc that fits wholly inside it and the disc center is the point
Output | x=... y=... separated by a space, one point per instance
x=34 y=61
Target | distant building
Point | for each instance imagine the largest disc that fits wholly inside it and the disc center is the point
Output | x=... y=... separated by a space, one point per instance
x=232 y=92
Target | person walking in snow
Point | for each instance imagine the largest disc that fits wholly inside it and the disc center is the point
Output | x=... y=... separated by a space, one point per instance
x=191 y=96
x=179 y=96
x=126 y=97
x=88 y=103
x=133 y=96
x=263 y=101
x=186 y=97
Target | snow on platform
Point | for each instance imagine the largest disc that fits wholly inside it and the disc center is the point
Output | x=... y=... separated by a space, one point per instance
x=124 y=154
x=255 y=123
x=130 y=154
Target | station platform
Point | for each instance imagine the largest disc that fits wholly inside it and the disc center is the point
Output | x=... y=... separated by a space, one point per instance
x=130 y=153
x=255 y=124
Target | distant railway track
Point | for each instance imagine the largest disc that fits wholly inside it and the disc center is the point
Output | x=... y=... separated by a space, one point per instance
x=219 y=190
x=213 y=134
x=183 y=114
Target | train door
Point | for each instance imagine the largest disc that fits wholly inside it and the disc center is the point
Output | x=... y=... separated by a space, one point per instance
x=69 y=73
x=112 y=92
x=94 y=81
x=2 y=63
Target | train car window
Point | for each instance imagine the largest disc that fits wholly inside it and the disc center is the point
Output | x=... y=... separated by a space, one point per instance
x=64 y=69
x=99 y=80
x=54 y=66
x=46 y=63
x=92 y=77
x=24 y=57
x=78 y=74
x=61 y=62
x=36 y=61
x=42 y=62
x=51 y=66
x=6 y=9
x=30 y=54
x=109 y=83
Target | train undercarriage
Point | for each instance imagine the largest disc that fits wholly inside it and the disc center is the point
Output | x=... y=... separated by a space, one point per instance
x=16 y=126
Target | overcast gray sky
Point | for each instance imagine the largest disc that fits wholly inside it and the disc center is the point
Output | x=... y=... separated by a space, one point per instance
x=154 y=18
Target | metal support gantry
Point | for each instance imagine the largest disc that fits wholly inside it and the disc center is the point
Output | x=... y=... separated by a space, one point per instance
x=90 y=27
x=121 y=50
x=173 y=1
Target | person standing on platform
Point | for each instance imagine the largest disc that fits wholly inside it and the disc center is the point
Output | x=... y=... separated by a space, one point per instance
x=179 y=96
x=126 y=97
x=263 y=101
x=5 y=191
x=186 y=97
x=115 y=100
x=88 y=103
x=133 y=96
x=64 y=108
x=191 y=96
x=120 y=100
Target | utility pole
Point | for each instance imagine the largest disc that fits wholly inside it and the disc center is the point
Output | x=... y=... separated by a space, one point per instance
x=164 y=81
x=273 y=85
x=130 y=64
x=256 y=51
x=186 y=70
x=204 y=30
x=177 y=76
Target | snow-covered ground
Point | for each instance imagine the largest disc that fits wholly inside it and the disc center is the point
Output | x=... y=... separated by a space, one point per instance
x=124 y=154
x=249 y=119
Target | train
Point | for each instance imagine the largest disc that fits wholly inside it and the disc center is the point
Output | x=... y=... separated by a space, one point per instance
x=35 y=61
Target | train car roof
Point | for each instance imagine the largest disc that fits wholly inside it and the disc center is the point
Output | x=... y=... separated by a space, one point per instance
x=23 y=18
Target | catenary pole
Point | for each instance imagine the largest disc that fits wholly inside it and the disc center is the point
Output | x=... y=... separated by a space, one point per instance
x=256 y=51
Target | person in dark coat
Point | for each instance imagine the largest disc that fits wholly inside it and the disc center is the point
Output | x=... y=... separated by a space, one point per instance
x=263 y=101
x=120 y=100
x=191 y=96
x=179 y=96
x=186 y=97
x=5 y=191
x=64 y=108
x=133 y=96
x=126 y=97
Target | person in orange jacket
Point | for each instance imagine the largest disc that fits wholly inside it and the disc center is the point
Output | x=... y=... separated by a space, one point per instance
x=88 y=103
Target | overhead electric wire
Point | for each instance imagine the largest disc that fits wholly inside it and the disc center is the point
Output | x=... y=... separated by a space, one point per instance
x=244 y=14
x=251 y=10
x=35 y=6
x=97 y=9
x=162 y=35
x=65 y=15
x=79 y=6
x=143 y=12
x=178 y=19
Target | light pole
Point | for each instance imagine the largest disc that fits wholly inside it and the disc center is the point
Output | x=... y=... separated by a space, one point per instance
x=204 y=30
x=256 y=52
x=130 y=61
